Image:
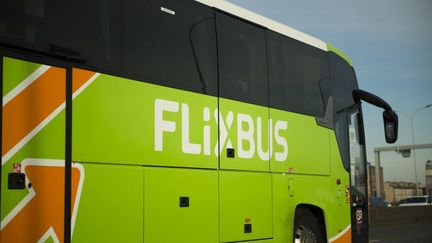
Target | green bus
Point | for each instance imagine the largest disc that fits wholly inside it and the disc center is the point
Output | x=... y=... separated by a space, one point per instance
x=177 y=121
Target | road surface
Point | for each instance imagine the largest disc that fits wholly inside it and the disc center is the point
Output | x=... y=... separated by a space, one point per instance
x=408 y=233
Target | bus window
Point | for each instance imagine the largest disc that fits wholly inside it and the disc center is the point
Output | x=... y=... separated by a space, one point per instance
x=170 y=43
x=299 y=76
x=138 y=40
x=343 y=82
x=242 y=61
x=341 y=124
x=357 y=160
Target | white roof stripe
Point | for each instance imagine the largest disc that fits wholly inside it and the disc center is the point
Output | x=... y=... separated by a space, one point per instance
x=266 y=22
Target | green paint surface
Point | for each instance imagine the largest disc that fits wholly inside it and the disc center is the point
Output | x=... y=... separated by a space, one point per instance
x=111 y=205
x=338 y=209
x=245 y=195
x=114 y=122
x=308 y=145
x=165 y=220
x=250 y=114
x=15 y=71
x=283 y=208
x=50 y=240
x=123 y=130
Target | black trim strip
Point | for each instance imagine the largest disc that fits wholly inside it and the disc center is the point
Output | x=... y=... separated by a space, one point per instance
x=218 y=86
x=55 y=55
x=68 y=158
x=1 y=125
x=33 y=57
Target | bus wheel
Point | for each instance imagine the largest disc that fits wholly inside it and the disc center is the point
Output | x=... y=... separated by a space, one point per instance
x=306 y=227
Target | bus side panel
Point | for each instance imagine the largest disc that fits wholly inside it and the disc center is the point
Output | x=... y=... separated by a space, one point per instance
x=283 y=208
x=181 y=205
x=339 y=218
x=291 y=191
x=313 y=152
x=247 y=130
x=245 y=201
x=307 y=145
x=121 y=121
x=33 y=152
x=110 y=204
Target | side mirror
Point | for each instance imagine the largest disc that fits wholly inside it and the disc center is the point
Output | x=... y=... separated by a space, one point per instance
x=390 y=117
x=390 y=126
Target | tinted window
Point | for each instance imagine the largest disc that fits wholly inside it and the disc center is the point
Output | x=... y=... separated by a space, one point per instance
x=242 y=61
x=135 y=39
x=176 y=49
x=43 y=24
x=341 y=130
x=343 y=82
x=298 y=75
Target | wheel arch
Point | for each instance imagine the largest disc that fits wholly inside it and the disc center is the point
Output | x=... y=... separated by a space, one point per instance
x=317 y=212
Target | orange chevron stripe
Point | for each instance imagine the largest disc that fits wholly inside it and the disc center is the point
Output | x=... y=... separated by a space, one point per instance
x=345 y=238
x=79 y=77
x=46 y=209
x=30 y=107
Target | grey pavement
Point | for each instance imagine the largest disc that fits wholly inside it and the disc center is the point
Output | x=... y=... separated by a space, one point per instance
x=407 y=233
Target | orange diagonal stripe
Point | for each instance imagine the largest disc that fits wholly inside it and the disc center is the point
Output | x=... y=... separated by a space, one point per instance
x=79 y=77
x=345 y=238
x=30 y=107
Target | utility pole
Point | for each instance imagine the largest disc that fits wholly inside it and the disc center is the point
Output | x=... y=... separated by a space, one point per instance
x=411 y=118
x=404 y=150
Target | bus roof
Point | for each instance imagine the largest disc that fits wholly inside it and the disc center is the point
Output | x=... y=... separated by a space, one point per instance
x=266 y=22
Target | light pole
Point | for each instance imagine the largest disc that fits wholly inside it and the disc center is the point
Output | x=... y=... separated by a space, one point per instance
x=411 y=117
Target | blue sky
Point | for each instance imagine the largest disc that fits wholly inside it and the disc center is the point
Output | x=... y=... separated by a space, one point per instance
x=390 y=44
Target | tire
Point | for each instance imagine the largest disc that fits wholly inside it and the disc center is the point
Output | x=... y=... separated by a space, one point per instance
x=306 y=228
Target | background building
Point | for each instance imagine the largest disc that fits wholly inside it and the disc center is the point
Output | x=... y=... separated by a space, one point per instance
x=372 y=181
x=396 y=191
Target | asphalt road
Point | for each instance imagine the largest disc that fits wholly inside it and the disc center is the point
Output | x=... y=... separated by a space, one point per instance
x=409 y=233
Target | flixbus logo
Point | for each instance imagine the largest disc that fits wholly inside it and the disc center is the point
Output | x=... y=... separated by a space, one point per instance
x=250 y=137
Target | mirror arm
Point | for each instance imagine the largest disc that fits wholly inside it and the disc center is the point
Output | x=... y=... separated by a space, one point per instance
x=389 y=116
x=370 y=98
